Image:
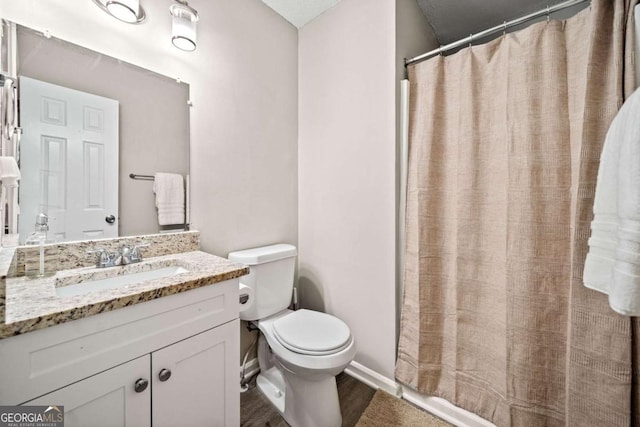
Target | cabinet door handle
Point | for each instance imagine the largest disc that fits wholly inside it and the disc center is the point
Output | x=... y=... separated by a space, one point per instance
x=164 y=375
x=140 y=385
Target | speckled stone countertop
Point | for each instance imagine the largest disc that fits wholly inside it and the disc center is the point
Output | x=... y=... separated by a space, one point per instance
x=32 y=303
x=6 y=260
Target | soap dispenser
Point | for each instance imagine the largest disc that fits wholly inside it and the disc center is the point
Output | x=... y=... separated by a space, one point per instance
x=39 y=237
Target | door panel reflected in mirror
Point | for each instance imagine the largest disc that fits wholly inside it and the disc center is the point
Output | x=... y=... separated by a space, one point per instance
x=69 y=161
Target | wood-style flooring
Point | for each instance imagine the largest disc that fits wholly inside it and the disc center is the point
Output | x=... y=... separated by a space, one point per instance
x=256 y=411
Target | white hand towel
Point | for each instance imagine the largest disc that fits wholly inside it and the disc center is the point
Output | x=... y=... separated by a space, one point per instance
x=169 y=189
x=612 y=265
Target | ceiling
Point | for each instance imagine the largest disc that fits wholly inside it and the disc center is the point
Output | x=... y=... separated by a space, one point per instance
x=299 y=12
x=451 y=20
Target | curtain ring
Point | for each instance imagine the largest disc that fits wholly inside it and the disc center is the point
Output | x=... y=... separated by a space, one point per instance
x=548 y=14
x=470 y=39
x=504 y=28
x=440 y=51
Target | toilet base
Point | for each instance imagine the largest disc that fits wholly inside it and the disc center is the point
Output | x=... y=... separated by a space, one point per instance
x=311 y=403
x=271 y=384
x=315 y=405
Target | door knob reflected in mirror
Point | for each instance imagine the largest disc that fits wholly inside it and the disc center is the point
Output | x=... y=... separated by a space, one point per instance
x=110 y=219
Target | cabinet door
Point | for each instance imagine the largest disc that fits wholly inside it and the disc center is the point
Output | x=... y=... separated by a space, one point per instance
x=203 y=387
x=106 y=399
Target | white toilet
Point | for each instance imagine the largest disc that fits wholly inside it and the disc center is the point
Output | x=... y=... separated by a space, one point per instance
x=299 y=352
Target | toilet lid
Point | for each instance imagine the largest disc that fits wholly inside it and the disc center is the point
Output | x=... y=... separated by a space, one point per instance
x=311 y=332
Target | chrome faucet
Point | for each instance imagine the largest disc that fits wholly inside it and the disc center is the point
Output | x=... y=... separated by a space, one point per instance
x=126 y=255
x=104 y=259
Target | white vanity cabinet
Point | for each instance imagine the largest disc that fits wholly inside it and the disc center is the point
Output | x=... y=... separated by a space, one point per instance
x=184 y=384
x=203 y=372
x=107 y=399
x=184 y=346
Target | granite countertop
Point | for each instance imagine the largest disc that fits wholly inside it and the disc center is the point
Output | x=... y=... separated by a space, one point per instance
x=6 y=258
x=32 y=303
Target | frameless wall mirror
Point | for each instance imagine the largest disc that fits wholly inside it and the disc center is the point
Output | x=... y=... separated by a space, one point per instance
x=88 y=121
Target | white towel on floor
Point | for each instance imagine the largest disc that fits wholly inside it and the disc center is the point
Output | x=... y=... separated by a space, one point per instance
x=612 y=265
x=169 y=189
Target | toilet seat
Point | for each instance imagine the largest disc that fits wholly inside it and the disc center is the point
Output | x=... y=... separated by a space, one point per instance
x=312 y=333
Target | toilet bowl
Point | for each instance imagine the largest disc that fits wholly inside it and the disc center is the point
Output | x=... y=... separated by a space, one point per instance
x=299 y=352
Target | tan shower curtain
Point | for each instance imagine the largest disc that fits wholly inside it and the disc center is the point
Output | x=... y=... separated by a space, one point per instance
x=505 y=140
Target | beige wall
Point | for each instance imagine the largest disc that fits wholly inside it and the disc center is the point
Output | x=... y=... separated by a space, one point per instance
x=243 y=79
x=351 y=63
x=244 y=162
x=347 y=172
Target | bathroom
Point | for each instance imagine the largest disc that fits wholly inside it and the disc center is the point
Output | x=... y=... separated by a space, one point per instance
x=294 y=136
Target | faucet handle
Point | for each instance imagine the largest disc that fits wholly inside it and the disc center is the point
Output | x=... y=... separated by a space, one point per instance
x=104 y=258
x=123 y=257
x=136 y=255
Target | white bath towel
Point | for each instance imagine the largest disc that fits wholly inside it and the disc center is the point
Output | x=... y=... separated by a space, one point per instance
x=612 y=265
x=169 y=189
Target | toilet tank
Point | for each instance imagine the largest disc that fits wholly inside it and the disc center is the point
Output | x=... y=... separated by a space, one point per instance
x=271 y=278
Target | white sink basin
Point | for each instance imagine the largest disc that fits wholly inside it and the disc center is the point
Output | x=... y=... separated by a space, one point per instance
x=118 y=281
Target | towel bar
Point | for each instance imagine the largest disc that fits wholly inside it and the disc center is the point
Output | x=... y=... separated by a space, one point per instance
x=142 y=177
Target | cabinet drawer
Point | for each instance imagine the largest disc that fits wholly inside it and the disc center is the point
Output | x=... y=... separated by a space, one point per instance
x=41 y=361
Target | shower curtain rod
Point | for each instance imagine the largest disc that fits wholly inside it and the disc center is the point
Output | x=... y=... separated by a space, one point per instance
x=498 y=28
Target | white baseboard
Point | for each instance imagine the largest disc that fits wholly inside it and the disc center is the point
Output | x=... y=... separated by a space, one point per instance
x=435 y=405
x=373 y=379
x=444 y=409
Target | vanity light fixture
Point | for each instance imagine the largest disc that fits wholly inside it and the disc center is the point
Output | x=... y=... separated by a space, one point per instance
x=183 y=26
x=128 y=11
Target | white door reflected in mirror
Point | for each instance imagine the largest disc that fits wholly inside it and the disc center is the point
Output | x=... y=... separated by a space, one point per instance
x=69 y=161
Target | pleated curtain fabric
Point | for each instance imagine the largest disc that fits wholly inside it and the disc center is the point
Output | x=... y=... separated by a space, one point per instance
x=505 y=140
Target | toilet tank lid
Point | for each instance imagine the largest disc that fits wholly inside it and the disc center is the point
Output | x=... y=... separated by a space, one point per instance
x=263 y=254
